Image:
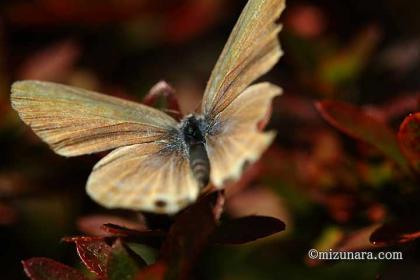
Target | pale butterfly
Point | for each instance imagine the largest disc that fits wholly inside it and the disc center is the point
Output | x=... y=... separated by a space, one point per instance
x=159 y=164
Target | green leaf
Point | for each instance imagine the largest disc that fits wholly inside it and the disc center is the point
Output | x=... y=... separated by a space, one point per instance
x=121 y=266
x=147 y=253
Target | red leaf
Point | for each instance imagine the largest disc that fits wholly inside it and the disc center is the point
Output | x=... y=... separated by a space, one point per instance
x=121 y=231
x=92 y=225
x=164 y=90
x=48 y=269
x=189 y=234
x=94 y=252
x=149 y=237
x=356 y=123
x=396 y=232
x=155 y=271
x=358 y=240
x=409 y=139
x=53 y=63
x=190 y=18
x=246 y=229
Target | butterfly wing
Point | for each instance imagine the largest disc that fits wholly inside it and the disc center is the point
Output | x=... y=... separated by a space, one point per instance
x=233 y=109
x=151 y=176
x=251 y=50
x=75 y=121
x=149 y=170
x=234 y=138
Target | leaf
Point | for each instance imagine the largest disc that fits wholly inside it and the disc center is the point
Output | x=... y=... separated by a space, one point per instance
x=264 y=201
x=92 y=224
x=150 y=237
x=356 y=123
x=163 y=90
x=396 y=232
x=336 y=240
x=148 y=254
x=121 y=266
x=94 y=253
x=409 y=139
x=348 y=63
x=357 y=240
x=118 y=230
x=246 y=229
x=53 y=63
x=48 y=269
x=189 y=234
x=153 y=272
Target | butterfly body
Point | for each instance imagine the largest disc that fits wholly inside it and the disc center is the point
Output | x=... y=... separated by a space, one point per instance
x=194 y=129
x=157 y=163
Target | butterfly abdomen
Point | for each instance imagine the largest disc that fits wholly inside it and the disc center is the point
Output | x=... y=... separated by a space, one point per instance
x=200 y=164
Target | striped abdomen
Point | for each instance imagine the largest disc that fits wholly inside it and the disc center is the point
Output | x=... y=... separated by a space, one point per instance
x=199 y=163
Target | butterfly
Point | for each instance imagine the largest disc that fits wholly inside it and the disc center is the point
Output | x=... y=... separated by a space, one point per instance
x=160 y=164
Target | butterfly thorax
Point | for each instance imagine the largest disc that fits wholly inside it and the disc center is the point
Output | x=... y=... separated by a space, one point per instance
x=193 y=130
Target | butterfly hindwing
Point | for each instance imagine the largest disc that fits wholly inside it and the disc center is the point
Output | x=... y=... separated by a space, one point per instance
x=151 y=176
x=234 y=137
x=75 y=121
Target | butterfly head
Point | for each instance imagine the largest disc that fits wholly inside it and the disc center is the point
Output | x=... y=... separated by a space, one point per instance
x=193 y=128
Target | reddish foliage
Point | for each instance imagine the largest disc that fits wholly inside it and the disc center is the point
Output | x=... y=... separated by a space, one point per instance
x=190 y=18
x=149 y=237
x=163 y=89
x=8 y=215
x=409 y=139
x=53 y=63
x=122 y=231
x=357 y=240
x=356 y=123
x=50 y=12
x=154 y=272
x=94 y=252
x=92 y=224
x=307 y=21
x=246 y=229
x=189 y=234
x=191 y=231
x=396 y=232
x=47 y=269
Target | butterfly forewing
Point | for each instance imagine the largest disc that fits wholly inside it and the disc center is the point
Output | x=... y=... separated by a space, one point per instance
x=251 y=50
x=74 y=121
x=150 y=170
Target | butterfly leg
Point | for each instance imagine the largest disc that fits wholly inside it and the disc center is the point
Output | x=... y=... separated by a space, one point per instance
x=163 y=89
